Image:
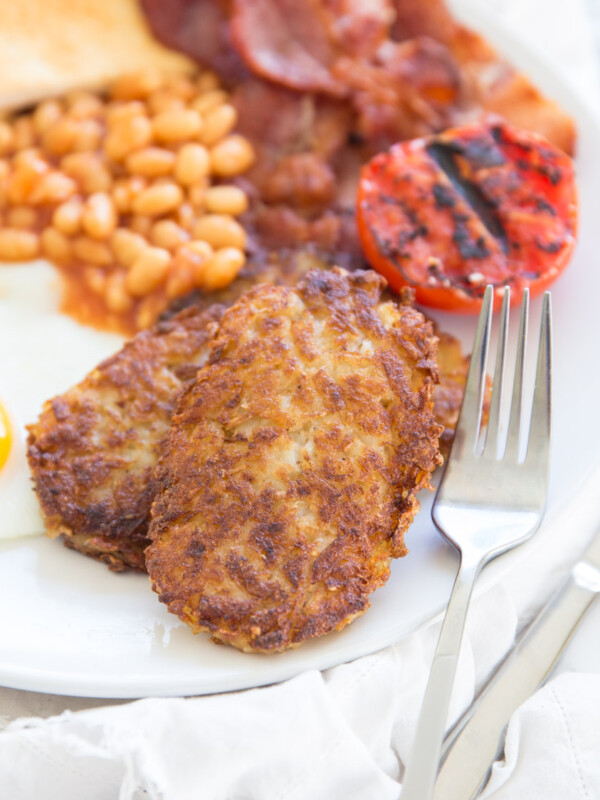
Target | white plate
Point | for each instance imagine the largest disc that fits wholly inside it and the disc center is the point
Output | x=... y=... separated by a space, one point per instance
x=69 y=626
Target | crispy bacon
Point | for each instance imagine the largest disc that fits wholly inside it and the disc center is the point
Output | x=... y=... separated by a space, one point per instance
x=298 y=138
x=333 y=47
x=201 y=30
x=297 y=43
x=321 y=85
x=412 y=88
x=358 y=27
x=286 y=41
x=414 y=18
x=492 y=84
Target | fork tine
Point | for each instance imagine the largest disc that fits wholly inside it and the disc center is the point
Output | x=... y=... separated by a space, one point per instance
x=516 y=404
x=466 y=434
x=538 y=445
x=493 y=427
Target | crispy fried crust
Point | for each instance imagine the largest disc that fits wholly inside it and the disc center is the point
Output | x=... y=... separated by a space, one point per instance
x=75 y=425
x=93 y=450
x=293 y=461
x=448 y=393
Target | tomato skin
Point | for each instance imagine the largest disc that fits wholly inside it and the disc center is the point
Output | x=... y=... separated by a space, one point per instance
x=484 y=203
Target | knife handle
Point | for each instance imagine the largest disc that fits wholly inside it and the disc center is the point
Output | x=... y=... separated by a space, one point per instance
x=474 y=742
x=421 y=769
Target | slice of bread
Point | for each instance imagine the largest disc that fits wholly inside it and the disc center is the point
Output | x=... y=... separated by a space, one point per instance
x=50 y=46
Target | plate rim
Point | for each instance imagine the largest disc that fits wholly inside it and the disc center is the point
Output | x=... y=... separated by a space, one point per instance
x=62 y=682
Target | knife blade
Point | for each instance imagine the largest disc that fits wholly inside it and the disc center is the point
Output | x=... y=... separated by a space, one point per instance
x=476 y=740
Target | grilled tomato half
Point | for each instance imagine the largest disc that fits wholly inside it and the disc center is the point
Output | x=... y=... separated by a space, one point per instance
x=451 y=213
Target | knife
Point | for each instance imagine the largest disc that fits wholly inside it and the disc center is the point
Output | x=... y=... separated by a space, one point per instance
x=476 y=741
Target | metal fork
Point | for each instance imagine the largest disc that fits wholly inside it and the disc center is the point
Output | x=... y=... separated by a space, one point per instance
x=487 y=503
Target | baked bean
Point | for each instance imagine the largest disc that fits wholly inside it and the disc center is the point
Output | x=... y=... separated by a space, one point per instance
x=53 y=187
x=202 y=249
x=125 y=190
x=67 y=217
x=148 y=271
x=136 y=85
x=99 y=217
x=197 y=195
x=31 y=158
x=151 y=162
x=83 y=105
x=193 y=163
x=158 y=199
x=225 y=200
x=29 y=169
x=192 y=257
x=176 y=125
x=141 y=224
x=46 y=114
x=207 y=81
x=95 y=279
x=148 y=311
x=218 y=122
x=55 y=245
x=180 y=280
x=222 y=268
x=136 y=185
x=143 y=158
x=129 y=132
x=231 y=156
x=121 y=197
x=181 y=86
x=89 y=135
x=21 y=217
x=88 y=170
x=208 y=100
x=168 y=234
x=185 y=216
x=24 y=135
x=59 y=138
x=117 y=111
x=164 y=100
x=116 y=295
x=6 y=138
x=18 y=245
x=127 y=246
x=92 y=251
x=220 y=230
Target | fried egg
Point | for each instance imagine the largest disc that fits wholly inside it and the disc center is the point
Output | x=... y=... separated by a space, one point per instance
x=42 y=353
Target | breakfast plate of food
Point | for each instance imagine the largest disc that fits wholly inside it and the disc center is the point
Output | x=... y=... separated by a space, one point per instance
x=237 y=293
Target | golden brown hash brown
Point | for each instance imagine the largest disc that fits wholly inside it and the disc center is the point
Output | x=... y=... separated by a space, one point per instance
x=291 y=467
x=287 y=268
x=75 y=431
x=448 y=393
x=93 y=450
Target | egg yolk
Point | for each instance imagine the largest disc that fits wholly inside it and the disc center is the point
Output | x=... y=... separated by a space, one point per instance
x=5 y=436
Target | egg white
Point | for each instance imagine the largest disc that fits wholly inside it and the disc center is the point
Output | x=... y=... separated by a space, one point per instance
x=42 y=353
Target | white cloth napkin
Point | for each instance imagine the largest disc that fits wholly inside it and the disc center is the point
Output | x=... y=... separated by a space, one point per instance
x=342 y=733
x=552 y=747
x=347 y=732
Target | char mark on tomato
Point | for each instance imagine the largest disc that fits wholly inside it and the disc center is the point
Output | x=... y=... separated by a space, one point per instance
x=485 y=203
x=479 y=155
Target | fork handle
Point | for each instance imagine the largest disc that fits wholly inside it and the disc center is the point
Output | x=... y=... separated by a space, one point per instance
x=422 y=767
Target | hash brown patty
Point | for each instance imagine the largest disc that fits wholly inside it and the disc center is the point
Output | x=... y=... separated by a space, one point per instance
x=292 y=463
x=93 y=450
